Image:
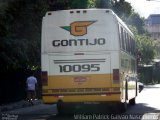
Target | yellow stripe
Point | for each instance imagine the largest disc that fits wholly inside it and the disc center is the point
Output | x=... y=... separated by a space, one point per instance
x=79 y=84
x=83 y=91
x=84 y=98
x=92 y=81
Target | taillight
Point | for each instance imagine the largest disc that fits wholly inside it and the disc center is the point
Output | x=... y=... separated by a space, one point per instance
x=116 y=76
x=49 y=13
x=44 y=77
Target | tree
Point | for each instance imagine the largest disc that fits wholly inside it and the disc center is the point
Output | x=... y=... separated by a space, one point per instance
x=122 y=8
x=20 y=26
x=77 y=4
x=157 y=49
x=145 y=46
x=91 y=3
x=137 y=21
x=20 y=39
x=70 y=4
x=104 y=4
x=20 y=29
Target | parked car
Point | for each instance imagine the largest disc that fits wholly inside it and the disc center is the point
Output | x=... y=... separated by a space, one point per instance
x=141 y=86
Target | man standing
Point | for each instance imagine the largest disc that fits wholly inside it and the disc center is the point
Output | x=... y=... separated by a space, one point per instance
x=31 y=87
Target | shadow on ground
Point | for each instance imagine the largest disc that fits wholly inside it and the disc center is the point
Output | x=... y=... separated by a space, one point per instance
x=138 y=112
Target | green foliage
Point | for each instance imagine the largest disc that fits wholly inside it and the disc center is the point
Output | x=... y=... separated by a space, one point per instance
x=149 y=75
x=81 y=4
x=145 y=46
x=70 y=4
x=21 y=33
x=135 y=20
x=146 y=74
x=157 y=49
x=13 y=53
x=77 y=4
x=91 y=3
x=57 y=4
x=103 y=4
x=156 y=75
x=20 y=28
x=147 y=49
x=123 y=9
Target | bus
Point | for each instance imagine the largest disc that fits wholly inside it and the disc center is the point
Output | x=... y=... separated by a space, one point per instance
x=87 y=56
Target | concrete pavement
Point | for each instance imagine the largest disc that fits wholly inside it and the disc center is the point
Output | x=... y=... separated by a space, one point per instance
x=18 y=105
x=24 y=103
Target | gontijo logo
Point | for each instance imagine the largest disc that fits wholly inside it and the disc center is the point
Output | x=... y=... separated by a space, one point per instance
x=78 y=28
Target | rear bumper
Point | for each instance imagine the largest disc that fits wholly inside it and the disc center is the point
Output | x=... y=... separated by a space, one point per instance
x=114 y=97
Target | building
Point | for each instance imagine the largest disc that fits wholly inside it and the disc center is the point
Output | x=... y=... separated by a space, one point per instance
x=152 y=25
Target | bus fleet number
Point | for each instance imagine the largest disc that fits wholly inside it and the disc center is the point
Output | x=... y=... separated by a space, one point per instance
x=80 y=68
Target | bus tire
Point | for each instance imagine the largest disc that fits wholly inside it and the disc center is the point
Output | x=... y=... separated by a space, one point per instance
x=132 y=101
x=123 y=107
x=60 y=108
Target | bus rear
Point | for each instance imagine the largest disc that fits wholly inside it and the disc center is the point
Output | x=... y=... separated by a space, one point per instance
x=80 y=57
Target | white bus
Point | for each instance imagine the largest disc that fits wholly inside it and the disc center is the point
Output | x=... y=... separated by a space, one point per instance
x=87 y=56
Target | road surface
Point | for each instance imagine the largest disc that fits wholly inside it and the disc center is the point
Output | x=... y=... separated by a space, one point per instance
x=147 y=103
x=147 y=108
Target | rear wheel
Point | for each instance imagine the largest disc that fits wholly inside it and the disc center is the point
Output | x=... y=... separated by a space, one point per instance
x=132 y=101
x=65 y=108
x=60 y=108
x=123 y=107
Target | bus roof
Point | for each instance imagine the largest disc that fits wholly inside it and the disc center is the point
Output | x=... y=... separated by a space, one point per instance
x=94 y=9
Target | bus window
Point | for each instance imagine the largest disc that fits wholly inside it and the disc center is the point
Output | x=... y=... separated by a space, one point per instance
x=127 y=38
x=120 y=37
x=123 y=41
x=129 y=44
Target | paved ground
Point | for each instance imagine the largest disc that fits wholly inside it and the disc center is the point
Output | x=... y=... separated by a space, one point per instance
x=26 y=105
x=18 y=105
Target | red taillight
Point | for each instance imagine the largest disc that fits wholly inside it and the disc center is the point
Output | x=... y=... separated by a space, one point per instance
x=49 y=13
x=44 y=78
x=116 y=76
